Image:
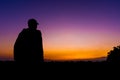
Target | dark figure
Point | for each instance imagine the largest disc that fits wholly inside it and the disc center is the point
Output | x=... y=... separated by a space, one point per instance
x=28 y=46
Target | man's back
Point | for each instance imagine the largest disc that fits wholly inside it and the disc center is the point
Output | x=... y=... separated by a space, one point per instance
x=28 y=46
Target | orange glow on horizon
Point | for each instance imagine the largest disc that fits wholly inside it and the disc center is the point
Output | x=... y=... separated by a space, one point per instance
x=74 y=55
x=61 y=55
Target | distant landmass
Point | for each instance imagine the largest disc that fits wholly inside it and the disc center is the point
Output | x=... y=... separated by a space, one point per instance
x=77 y=60
x=47 y=60
x=96 y=59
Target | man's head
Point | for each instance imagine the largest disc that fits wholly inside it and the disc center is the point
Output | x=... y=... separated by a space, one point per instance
x=32 y=24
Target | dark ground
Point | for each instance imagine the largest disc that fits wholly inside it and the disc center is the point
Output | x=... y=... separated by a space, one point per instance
x=60 y=70
x=66 y=64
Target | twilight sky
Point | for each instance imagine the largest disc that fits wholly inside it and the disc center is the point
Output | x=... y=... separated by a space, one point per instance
x=71 y=29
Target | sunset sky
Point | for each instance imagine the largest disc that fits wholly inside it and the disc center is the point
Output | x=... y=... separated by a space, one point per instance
x=71 y=29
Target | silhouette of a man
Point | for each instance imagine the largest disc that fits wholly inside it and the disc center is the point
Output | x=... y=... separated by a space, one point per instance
x=28 y=46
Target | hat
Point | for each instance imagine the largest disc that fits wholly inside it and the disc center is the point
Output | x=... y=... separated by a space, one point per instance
x=32 y=21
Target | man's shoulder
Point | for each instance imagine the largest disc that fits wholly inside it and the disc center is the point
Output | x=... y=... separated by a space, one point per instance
x=38 y=31
x=25 y=29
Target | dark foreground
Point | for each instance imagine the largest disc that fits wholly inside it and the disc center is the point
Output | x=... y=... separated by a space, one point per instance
x=56 y=63
x=59 y=63
x=60 y=69
x=68 y=64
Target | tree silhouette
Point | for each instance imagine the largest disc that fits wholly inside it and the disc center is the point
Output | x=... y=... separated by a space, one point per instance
x=114 y=55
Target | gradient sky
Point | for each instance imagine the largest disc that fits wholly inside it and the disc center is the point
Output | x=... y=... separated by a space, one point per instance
x=71 y=29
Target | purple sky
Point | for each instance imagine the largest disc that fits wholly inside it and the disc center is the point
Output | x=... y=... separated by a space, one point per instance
x=81 y=23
